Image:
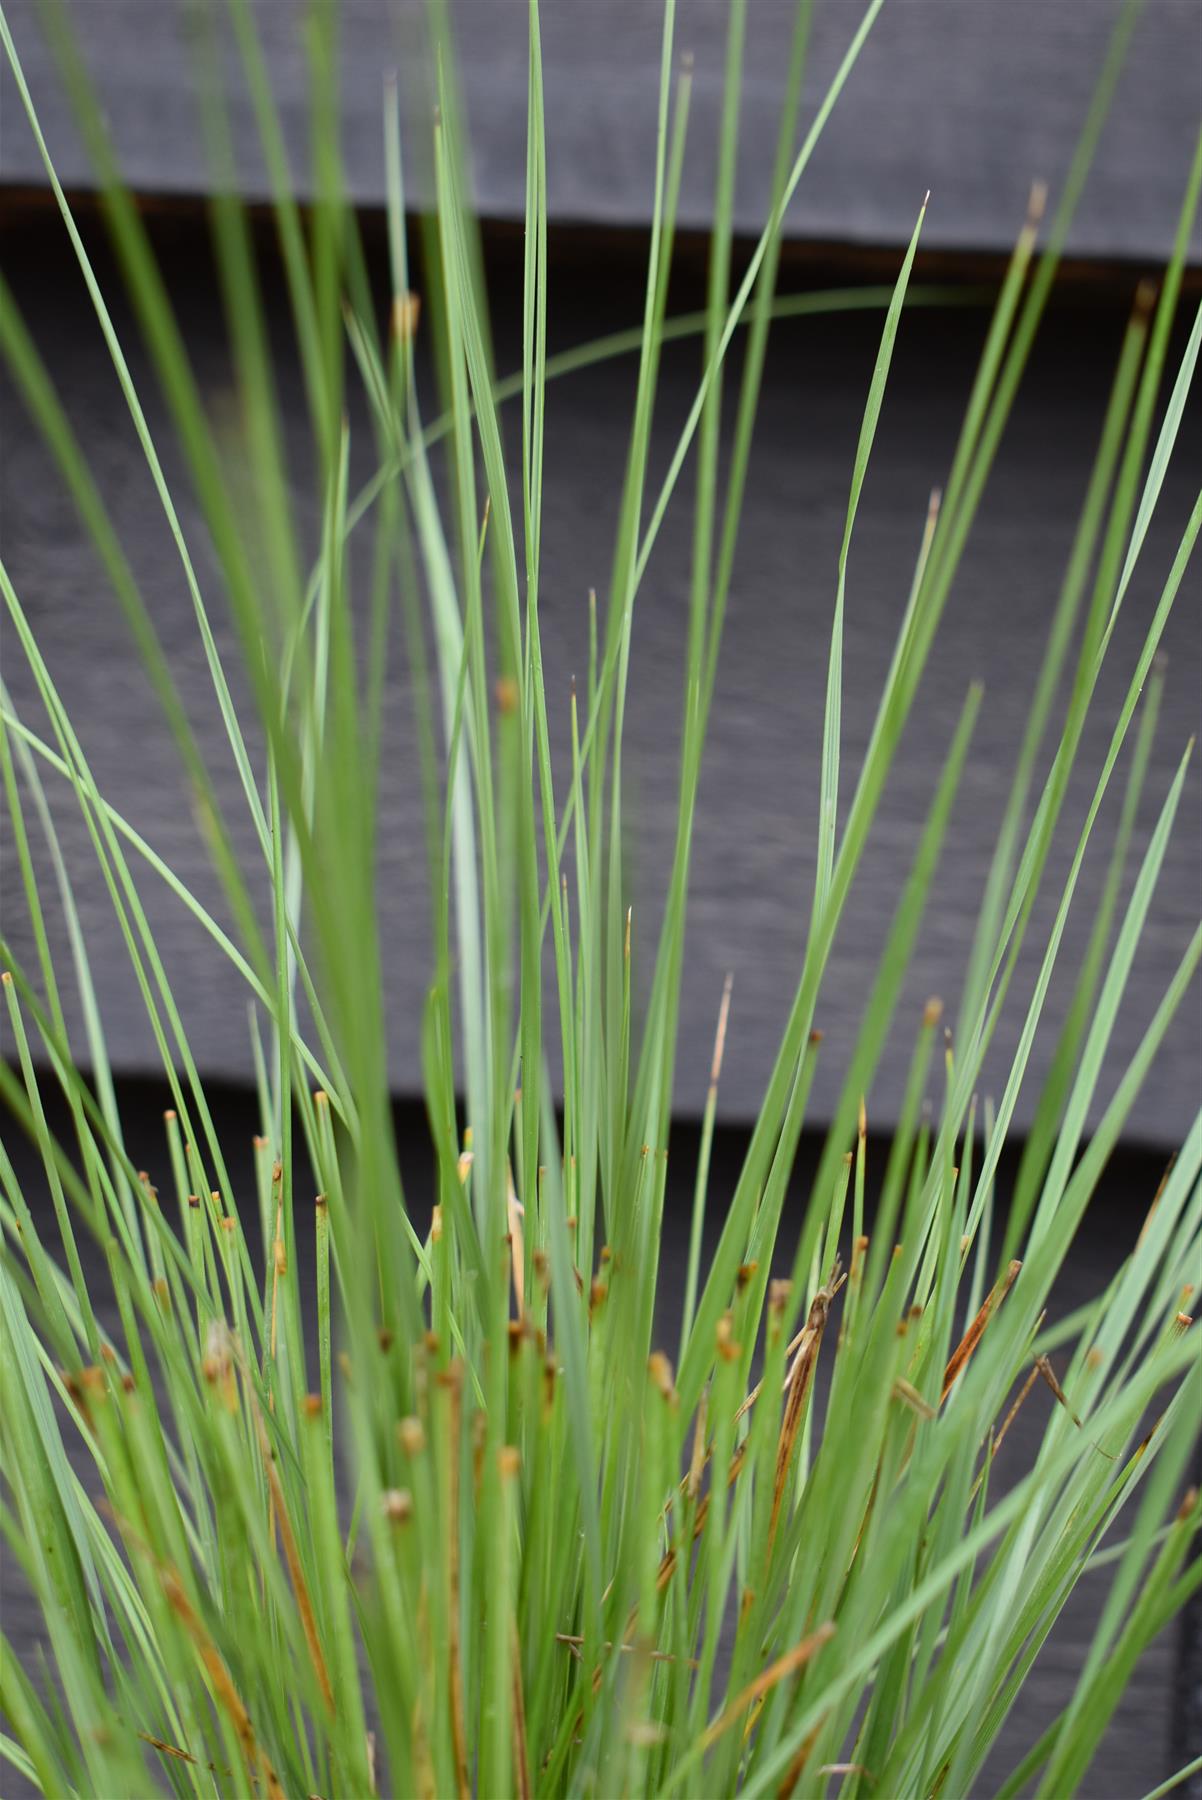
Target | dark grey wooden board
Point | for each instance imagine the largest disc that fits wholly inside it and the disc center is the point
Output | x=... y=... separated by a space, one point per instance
x=1138 y=1750
x=753 y=863
x=971 y=100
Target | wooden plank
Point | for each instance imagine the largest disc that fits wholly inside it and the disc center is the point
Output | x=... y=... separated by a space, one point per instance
x=753 y=860
x=973 y=101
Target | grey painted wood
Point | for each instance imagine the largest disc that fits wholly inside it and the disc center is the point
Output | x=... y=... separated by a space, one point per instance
x=753 y=867
x=971 y=100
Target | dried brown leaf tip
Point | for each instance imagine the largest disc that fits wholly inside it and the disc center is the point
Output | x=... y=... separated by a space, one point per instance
x=1048 y=1374
x=221 y=1682
x=516 y=1213
x=173 y=1750
x=406 y=314
x=776 y=1672
x=1028 y=1384
x=972 y=1337
x=217 y=1364
x=697 y=1458
x=798 y=1383
x=93 y=1385
x=411 y=1435
x=660 y=1370
x=397 y=1505
x=815 y=1324
x=1156 y=1199
x=450 y=1378
x=910 y=1396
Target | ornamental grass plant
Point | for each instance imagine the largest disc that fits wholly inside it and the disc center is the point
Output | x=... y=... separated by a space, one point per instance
x=455 y=1519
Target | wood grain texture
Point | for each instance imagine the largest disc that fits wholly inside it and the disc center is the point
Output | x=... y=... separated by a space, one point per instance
x=753 y=863
x=972 y=100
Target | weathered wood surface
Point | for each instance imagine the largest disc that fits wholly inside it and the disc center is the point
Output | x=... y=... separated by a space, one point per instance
x=973 y=100
x=753 y=861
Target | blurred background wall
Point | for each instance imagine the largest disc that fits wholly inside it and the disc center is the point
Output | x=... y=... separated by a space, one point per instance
x=972 y=101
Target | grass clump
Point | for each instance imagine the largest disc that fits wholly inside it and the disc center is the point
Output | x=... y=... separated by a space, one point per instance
x=454 y=1523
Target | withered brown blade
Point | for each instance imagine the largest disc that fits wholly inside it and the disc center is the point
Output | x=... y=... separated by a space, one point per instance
x=776 y=1672
x=972 y=1336
x=801 y=1378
